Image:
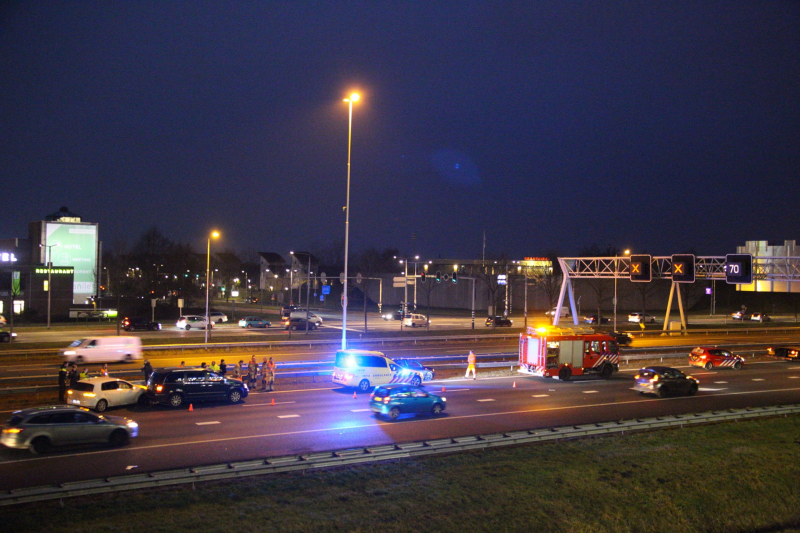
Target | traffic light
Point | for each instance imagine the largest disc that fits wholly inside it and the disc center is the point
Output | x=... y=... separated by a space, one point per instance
x=438 y=276
x=640 y=268
x=422 y=277
x=683 y=268
x=739 y=268
x=455 y=277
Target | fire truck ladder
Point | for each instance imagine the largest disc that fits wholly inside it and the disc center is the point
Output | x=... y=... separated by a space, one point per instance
x=775 y=269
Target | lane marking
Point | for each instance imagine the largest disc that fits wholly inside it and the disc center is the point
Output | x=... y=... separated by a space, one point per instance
x=487 y=400
x=758 y=379
x=373 y=424
x=359 y=410
x=208 y=423
x=794 y=377
x=264 y=404
x=709 y=389
x=289 y=416
x=540 y=396
x=720 y=382
x=455 y=390
x=590 y=391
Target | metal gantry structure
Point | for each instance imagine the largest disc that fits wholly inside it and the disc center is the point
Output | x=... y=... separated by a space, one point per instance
x=712 y=268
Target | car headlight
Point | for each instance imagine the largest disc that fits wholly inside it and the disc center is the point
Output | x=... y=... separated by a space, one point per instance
x=69 y=352
x=131 y=424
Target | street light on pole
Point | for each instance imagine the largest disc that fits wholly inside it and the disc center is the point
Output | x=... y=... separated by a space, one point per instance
x=616 y=271
x=49 y=278
x=214 y=234
x=353 y=98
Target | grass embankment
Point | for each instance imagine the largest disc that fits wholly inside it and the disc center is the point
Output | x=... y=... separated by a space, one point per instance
x=728 y=477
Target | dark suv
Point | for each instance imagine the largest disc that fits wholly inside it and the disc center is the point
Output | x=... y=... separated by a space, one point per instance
x=129 y=324
x=176 y=386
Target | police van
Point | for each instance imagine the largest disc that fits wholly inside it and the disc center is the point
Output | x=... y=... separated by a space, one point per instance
x=363 y=369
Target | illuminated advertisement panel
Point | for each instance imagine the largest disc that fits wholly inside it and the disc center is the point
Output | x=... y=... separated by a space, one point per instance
x=74 y=245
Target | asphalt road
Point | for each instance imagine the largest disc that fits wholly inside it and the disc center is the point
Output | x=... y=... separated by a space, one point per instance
x=306 y=420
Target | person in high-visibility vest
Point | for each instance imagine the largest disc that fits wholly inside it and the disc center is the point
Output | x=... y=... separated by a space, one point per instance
x=471 y=365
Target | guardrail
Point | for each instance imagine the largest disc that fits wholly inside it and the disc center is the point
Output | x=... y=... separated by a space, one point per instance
x=370 y=454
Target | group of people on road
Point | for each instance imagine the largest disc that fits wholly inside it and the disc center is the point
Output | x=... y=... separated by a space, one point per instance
x=249 y=374
x=68 y=374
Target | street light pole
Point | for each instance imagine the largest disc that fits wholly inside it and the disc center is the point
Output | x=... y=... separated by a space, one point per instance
x=353 y=98
x=616 y=271
x=49 y=279
x=214 y=234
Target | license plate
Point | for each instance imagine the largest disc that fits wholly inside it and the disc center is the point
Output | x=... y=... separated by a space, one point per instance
x=76 y=402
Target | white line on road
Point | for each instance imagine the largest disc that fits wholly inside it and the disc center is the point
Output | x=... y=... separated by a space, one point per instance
x=758 y=379
x=487 y=400
x=264 y=404
x=719 y=382
x=590 y=391
x=289 y=416
x=541 y=396
x=359 y=410
x=454 y=390
x=208 y=423
x=708 y=389
x=794 y=377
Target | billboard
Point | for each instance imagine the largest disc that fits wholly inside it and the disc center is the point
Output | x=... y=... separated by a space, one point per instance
x=74 y=245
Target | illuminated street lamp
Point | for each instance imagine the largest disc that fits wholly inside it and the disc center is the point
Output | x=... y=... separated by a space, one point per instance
x=49 y=279
x=353 y=98
x=214 y=234
x=616 y=270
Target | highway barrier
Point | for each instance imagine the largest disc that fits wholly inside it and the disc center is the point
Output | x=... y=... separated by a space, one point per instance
x=370 y=454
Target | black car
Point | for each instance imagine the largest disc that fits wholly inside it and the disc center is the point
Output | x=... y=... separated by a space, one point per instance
x=498 y=321
x=788 y=352
x=299 y=323
x=412 y=364
x=594 y=319
x=178 y=386
x=130 y=324
x=623 y=339
x=6 y=336
x=664 y=381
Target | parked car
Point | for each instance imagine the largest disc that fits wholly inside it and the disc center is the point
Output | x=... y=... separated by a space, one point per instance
x=790 y=352
x=414 y=320
x=395 y=400
x=103 y=350
x=593 y=319
x=193 y=321
x=709 y=357
x=426 y=372
x=623 y=339
x=254 y=322
x=38 y=429
x=760 y=317
x=299 y=324
x=641 y=317
x=7 y=336
x=102 y=392
x=498 y=321
x=363 y=369
x=217 y=317
x=130 y=324
x=664 y=381
x=178 y=386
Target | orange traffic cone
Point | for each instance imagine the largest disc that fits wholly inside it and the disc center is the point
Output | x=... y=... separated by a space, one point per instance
x=442 y=389
x=515 y=385
x=354 y=395
x=273 y=401
x=191 y=408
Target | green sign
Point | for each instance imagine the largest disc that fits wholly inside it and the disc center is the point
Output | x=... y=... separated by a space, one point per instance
x=74 y=245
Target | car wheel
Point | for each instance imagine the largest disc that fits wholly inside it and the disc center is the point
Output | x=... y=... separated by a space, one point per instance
x=142 y=400
x=693 y=389
x=606 y=371
x=175 y=400
x=234 y=396
x=40 y=445
x=652 y=320
x=364 y=385
x=188 y=327
x=437 y=409
x=128 y=358
x=416 y=381
x=708 y=366
x=565 y=373
x=101 y=406
x=249 y=326
x=662 y=392
x=394 y=413
x=737 y=365
x=118 y=438
x=79 y=360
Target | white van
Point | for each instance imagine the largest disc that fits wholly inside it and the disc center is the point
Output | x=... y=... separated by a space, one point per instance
x=363 y=369
x=103 y=350
x=313 y=318
x=413 y=320
x=564 y=311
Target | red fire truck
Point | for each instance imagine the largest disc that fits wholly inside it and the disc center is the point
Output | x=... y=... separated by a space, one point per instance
x=567 y=352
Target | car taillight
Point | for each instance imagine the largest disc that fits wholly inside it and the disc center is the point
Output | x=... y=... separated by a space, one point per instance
x=69 y=392
x=13 y=431
x=386 y=400
x=378 y=398
x=159 y=388
x=654 y=379
x=89 y=394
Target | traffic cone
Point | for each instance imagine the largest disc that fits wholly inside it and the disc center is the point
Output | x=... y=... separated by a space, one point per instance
x=442 y=389
x=273 y=401
x=191 y=408
x=354 y=395
x=515 y=385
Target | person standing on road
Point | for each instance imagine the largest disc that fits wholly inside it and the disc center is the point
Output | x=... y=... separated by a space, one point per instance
x=214 y=367
x=74 y=376
x=471 y=365
x=252 y=373
x=237 y=370
x=104 y=370
x=62 y=383
x=271 y=375
x=223 y=368
x=147 y=369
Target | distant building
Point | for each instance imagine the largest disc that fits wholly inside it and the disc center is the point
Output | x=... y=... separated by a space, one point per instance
x=781 y=266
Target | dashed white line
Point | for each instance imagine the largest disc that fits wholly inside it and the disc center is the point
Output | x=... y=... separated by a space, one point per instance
x=758 y=379
x=208 y=423
x=590 y=391
x=719 y=382
x=487 y=400
x=541 y=396
x=357 y=410
x=289 y=416
x=794 y=377
x=708 y=389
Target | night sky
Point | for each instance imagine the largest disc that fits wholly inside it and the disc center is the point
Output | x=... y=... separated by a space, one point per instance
x=663 y=127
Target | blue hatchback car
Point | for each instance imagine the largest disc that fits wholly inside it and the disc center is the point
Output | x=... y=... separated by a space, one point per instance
x=394 y=400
